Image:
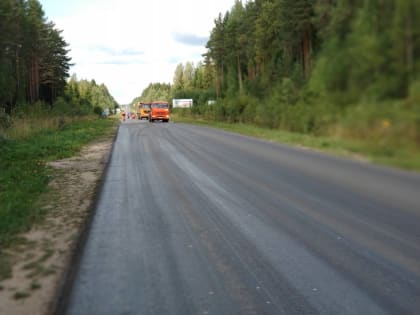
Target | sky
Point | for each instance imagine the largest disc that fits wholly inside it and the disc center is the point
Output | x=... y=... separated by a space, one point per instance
x=127 y=44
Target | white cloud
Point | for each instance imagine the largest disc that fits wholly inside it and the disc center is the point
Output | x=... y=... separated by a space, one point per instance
x=128 y=44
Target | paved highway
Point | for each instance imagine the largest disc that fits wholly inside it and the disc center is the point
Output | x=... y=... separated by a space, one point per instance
x=192 y=220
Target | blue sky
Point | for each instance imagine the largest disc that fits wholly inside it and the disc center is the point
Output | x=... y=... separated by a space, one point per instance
x=127 y=44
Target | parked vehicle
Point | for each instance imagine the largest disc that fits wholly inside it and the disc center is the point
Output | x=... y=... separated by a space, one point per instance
x=159 y=110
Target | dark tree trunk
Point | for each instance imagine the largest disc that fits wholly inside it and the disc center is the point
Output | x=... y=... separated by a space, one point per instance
x=238 y=64
x=306 y=52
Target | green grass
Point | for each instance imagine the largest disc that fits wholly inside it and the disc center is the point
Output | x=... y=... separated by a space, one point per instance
x=24 y=175
x=395 y=155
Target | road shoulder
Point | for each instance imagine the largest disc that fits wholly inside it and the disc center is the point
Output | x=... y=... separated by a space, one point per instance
x=42 y=259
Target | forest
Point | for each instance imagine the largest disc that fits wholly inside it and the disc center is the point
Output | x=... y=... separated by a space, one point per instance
x=324 y=67
x=34 y=66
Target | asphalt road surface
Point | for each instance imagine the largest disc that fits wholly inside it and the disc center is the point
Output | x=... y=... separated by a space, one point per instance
x=193 y=220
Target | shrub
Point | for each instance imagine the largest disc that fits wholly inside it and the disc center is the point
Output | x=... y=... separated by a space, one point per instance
x=5 y=121
x=98 y=110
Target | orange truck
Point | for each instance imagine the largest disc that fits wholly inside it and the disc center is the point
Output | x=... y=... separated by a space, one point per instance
x=159 y=110
x=143 y=110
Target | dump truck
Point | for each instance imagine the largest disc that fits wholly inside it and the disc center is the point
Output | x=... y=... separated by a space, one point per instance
x=159 y=110
x=143 y=110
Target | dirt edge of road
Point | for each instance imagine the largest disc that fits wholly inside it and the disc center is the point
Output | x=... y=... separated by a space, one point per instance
x=45 y=260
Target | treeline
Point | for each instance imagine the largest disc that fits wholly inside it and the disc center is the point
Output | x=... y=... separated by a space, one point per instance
x=155 y=91
x=300 y=64
x=34 y=68
x=189 y=82
x=83 y=97
x=34 y=61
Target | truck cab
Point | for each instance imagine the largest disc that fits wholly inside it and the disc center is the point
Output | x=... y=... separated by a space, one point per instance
x=159 y=110
x=143 y=110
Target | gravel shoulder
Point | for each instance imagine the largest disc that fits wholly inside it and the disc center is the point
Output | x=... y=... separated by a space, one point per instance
x=42 y=259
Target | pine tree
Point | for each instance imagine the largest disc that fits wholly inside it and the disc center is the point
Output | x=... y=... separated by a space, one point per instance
x=178 y=81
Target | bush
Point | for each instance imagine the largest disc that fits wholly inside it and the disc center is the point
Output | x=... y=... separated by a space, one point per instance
x=98 y=110
x=385 y=124
x=250 y=111
x=5 y=121
x=62 y=107
x=413 y=99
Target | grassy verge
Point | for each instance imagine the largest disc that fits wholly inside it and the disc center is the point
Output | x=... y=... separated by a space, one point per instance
x=401 y=156
x=24 y=175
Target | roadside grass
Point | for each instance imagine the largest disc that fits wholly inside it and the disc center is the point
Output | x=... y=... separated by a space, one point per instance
x=398 y=154
x=25 y=127
x=24 y=175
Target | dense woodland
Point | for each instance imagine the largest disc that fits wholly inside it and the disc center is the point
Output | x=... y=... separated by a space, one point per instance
x=35 y=62
x=302 y=65
x=84 y=95
x=154 y=91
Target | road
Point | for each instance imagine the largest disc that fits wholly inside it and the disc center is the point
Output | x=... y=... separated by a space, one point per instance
x=192 y=220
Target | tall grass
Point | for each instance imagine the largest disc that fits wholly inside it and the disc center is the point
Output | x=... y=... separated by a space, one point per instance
x=24 y=128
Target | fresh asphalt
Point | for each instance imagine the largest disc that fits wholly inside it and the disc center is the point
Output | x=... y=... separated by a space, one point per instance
x=193 y=220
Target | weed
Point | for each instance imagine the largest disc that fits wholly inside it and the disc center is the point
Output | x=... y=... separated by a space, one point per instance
x=20 y=295
x=48 y=271
x=35 y=286
x=5 y=268
x=35 y=264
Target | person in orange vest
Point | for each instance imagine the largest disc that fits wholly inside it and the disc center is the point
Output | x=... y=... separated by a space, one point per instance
x=123 y=115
